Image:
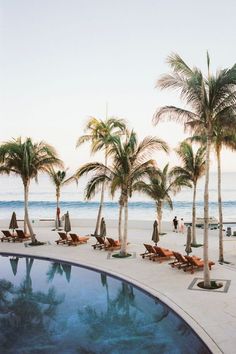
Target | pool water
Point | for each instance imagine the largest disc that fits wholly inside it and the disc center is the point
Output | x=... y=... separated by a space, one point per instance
x=51 y=307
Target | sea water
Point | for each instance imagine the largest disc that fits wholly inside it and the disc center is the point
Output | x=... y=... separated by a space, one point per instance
x=42 y=200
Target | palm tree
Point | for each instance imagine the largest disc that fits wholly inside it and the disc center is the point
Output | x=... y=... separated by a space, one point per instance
x=161 y=183
x=59 y=179
x=222 y=137
x=130 y=164
x=193 y=168
x=27 y=159
x=99 y=133
x=209 y=97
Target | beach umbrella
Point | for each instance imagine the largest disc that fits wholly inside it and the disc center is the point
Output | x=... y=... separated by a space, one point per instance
x=155 y=233
x=103 y=229
x=67 y=225
x=188 y=248
x=14 y=264
x=13 y=222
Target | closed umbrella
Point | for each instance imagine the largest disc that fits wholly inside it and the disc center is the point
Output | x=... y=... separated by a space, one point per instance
x=67 y=270
x=188 y=248
x=67 y=225
x=13 y=223
x=103 y=229
x=155 y=233
x=14 y=264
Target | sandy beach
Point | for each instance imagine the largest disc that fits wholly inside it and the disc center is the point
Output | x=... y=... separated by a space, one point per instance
x=212 y=314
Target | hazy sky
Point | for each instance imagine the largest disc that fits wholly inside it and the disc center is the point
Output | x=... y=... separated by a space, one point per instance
x=61 y=61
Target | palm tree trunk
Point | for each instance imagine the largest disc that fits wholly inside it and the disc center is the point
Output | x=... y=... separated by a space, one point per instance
x=207 y=281
x=120 y=222
x=101 y=203
x=27 y=223
x=159 y=215
x=57 y=207
x=123 y=250
x=221 y=250
x=194 y=241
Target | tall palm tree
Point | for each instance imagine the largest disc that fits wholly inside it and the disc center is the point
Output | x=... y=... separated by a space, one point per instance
x=192 y=169
x=222 y=137
x=209 y=97
x=99 y=133
x=59 y=179
x=131 y=163
x=26 y=159
x=159 y=187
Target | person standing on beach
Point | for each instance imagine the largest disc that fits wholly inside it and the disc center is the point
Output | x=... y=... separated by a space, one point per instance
x=181 y=226
x=175 y=224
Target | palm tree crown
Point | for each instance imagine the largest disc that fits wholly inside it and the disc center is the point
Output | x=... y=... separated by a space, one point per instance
x=193 y=165
x=99 y=132
x=26 y=158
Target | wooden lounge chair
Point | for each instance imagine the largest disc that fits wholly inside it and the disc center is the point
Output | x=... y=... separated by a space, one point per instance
x=161 y=254
x=79 y=239
x=7 y=236
x=180 y=261
x=196 y=263
x=112 y=244
x=150 y=251
x=21 y=236
x=63 y=239
x=100 y=244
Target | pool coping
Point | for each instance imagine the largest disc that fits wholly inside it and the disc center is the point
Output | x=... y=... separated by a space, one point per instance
x=190 y=320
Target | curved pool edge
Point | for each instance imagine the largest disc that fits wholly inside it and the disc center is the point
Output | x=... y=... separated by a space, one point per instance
x=196 y=327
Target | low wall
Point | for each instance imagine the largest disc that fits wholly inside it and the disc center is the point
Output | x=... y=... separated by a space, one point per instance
x=90 y=223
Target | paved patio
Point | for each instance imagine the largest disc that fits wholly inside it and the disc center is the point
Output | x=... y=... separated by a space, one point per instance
x=212 y=314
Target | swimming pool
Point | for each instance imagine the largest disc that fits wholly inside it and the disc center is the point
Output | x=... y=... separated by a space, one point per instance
x=57 y=307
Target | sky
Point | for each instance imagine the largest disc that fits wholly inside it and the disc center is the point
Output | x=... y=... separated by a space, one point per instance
x=63 y=61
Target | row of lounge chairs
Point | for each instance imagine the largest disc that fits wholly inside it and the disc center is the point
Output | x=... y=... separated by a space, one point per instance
x=20 y=236
x=187 y=263
x=72 y=240
x=107 y=244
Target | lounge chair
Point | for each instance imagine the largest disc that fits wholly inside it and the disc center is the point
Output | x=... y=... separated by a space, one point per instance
x=100 y=244
x=161 y=254
x=196 y=263
x=63 y=239
x=150 y=251
x=79 y=239
x=21 y=236
x=112 y=244
x=180 y=261
x=7 y=236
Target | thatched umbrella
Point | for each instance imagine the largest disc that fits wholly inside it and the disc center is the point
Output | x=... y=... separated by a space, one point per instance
x=67 y=225
x=188 y=248
x=155 y=233
x=13 y=222
x=103 y=229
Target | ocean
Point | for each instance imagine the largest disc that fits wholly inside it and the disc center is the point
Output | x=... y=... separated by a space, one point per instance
x=42 y=201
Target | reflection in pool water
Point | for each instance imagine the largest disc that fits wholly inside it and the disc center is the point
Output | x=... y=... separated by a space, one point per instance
x=51 y=307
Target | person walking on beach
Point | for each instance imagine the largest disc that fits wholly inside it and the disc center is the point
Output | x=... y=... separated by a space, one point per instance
x=175 y=224
x=181 y=226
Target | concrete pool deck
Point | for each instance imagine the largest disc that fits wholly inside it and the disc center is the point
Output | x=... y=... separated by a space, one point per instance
x=212 y=314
